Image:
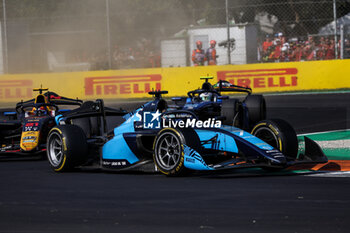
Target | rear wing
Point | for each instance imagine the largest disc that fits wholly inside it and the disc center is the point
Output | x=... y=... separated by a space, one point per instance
x=53 y=98
x=92 y=109
x=225 y=86
x=61 y=100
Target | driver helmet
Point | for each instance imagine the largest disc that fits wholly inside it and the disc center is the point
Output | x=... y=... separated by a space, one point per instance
x=40 y=111
x=225 y=84
x=206 y=96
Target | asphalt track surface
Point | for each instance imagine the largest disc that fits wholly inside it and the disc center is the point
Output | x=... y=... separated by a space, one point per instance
x=35 y=199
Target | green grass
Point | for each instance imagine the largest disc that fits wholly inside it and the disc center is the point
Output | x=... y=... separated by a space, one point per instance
x=332 y=137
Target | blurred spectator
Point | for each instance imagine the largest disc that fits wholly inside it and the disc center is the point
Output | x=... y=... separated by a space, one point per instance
x=154 y=59
x=295 y=49
x=198 y=55
x=142 y=55
x=211 y=53
x=276 y=53
x=115 y=56
x=330 y=54
x=308 y=51
x=321 y=49
x=310 y=41
x=266 y=45
x=347 y=48
x=297 y=53
x=100 y=61
x=284 y=50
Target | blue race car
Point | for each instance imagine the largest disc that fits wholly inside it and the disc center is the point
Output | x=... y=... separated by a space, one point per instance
x=173 y=141
x=208 y=101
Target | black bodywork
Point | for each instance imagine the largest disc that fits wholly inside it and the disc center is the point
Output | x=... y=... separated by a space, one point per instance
x=243 y=114
x=31 y=120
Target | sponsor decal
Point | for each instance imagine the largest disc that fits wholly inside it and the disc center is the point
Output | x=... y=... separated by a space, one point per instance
x=28 y=141
x=29 y=137
x=4 y=148
x=122 y=85
x=31 y=127
x=31 y=133
x=153 y=120
x=16 y=89
x=115 y=163
x=192 y=123
x=261 y=78
x=194 y=157
x=190 y=160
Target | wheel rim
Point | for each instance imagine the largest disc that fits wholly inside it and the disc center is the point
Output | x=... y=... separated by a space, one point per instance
x=55 y=149
x=268 y=136
x=168 y=151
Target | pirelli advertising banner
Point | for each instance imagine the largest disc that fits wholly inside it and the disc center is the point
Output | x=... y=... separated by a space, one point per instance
x=121 y=84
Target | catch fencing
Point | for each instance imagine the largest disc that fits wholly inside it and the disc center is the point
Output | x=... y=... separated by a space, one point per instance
x=88 y=35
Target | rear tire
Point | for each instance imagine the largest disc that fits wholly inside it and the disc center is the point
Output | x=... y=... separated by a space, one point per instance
x=66 y=147
x=256 y=107
x=279 y=134
x=229 y=111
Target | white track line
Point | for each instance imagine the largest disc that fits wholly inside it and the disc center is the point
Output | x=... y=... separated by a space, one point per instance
x=306 y=93
x=324 y=132
x=341 y=144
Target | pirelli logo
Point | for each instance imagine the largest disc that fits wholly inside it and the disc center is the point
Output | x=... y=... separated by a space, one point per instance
x=122 y=85
x=262 y=78
x=16 y=89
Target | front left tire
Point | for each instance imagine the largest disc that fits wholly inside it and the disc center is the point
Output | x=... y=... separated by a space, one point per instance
x=169 y=150
x=66 y=147
x=279 y=134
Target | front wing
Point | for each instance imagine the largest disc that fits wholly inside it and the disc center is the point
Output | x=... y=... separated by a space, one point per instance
x=246 y=153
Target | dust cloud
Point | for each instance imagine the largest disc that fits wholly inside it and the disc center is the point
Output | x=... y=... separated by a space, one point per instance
x=76 y=35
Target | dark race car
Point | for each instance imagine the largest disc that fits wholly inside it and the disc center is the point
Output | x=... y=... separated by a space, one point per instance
x=155 y=137
x=23 y=131
x=208 y=102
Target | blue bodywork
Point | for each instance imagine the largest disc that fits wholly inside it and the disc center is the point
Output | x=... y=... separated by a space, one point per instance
x=232 y=140
x=117 y=148
x=131 y=141
x=126 y=150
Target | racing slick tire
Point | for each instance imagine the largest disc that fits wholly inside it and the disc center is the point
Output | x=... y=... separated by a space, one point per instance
x=66 y=147
x=256 y=107
x=168 y=150
x=279 y=134
x=229 y=111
